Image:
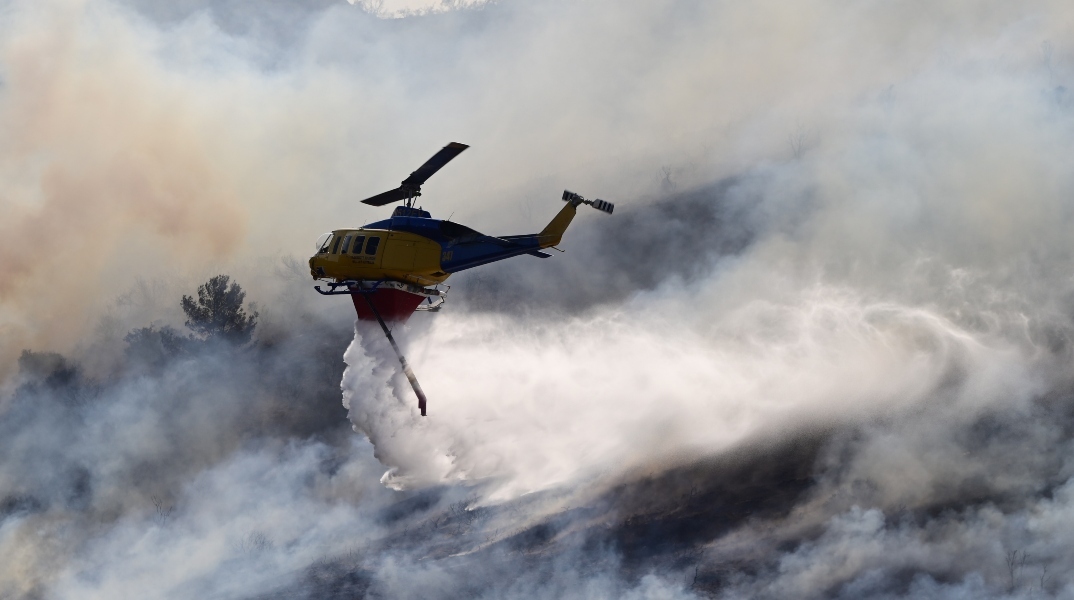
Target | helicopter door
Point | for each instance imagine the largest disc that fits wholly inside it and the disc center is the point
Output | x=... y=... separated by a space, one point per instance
x=399 y=254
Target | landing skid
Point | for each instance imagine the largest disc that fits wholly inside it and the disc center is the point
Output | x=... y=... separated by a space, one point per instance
x=349 y=287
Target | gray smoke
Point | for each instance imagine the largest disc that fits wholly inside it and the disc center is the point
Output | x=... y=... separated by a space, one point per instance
x=822 y=349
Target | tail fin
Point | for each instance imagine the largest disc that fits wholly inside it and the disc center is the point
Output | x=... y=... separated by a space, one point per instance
x=552 y=234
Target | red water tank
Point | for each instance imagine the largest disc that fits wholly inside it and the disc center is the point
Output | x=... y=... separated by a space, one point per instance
x=392 y=304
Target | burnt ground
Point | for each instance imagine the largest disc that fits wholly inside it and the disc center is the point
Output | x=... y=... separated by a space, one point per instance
x=657 y=522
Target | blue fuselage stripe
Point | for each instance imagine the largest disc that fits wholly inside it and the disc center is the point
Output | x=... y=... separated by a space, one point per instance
x=461 y=247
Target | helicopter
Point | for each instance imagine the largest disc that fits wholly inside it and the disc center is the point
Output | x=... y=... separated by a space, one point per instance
x=397 y=266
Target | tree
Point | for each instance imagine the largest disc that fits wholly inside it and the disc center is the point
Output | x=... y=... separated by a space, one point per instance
x=53 y=374
x=155 y=347
x=217 y=314
x=49 y=369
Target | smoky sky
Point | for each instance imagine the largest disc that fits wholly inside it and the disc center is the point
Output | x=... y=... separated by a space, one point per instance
x=822 y=348
x=678 y=236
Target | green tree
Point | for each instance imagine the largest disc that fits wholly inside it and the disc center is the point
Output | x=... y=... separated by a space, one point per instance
x=217 y=314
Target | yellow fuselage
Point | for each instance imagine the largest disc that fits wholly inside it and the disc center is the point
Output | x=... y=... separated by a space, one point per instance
x=398 y=256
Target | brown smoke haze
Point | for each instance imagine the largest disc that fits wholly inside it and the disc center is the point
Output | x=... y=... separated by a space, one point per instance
x=109 y=167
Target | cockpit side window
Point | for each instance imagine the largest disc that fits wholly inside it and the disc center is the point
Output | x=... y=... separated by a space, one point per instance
x=346 y=244
x=335 y=245
x=371 y=245
x=358 y=242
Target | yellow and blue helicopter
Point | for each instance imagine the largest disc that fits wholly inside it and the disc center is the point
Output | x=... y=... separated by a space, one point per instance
x=394 y=267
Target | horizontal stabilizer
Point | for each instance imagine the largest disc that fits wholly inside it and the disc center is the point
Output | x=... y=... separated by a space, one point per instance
x=539 y=254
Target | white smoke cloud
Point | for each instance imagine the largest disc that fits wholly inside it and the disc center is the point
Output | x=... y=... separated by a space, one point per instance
x=395 y=9
x=899 y=173
x=660 y=379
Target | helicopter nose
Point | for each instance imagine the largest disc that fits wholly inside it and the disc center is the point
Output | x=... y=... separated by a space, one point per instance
x=315 y=270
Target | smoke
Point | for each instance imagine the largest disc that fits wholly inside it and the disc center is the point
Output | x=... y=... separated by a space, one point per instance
x=411 y=8
x=822 y=349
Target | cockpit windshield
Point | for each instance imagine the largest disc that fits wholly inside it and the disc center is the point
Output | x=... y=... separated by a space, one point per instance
x=322 y=243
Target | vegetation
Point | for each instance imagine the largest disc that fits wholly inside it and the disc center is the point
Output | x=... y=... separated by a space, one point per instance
x=217 y=314
x=155 y=347
x=191 y=370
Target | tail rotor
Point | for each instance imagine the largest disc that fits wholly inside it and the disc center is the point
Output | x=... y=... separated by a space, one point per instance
x=575 y=199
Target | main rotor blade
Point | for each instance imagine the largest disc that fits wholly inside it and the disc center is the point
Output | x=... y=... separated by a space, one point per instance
x=435 y=163
x=388 y=197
